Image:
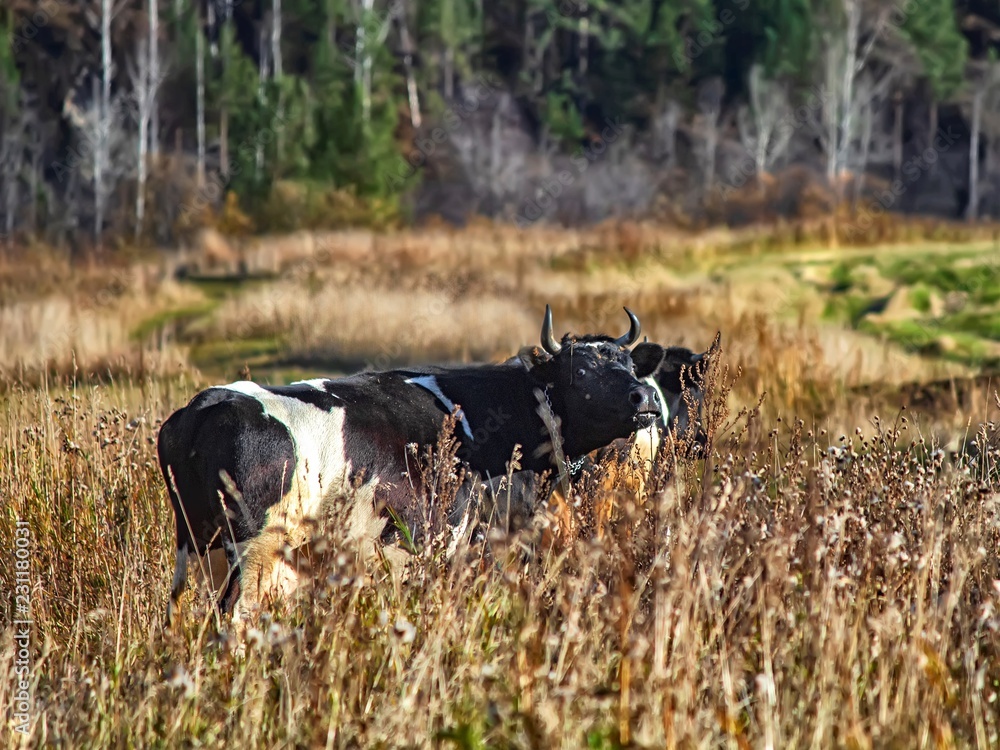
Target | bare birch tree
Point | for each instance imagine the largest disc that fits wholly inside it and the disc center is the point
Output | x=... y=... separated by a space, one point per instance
x=101 y=131
x=15 y=131
x=103 y=125
x=276 y=66
x=155 y=74
x=38 y=137
x=199 y=67
x=765 y=125
x=142 y=86
x=710 y=96
x=146 y=77
x=363 y=69
x=406 y=43
x=665 y=124
x=982 y=110
x=851 y=37
x=263 y=67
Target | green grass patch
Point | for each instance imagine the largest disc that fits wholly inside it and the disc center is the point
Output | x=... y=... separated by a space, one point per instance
x=939 y=338
x=842 y=276
x=920 y=298
x=981 y=282
x=982 y=324
x=177 y=315
x=224 y=355
x=847 y=308
x=220 y=287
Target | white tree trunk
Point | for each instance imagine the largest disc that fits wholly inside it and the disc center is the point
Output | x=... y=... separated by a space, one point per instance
x=710 y=96
x=37 y=151
x=213 y=47
x=103 y=139
x=764 y=127
x=449 y=73
x=496 y=157
x=897 y=135
x=154 y=73
x=19 y=129
x=845 y=58
x=262 y=100
x=865 y=114
x=276 y=38
x=411 y=79
x=12 y=157
x=277 y=70
x=142 y=85
x=972 y=211
x=711 y=147
x=365 y=61
x=849 y=70
x=199 y=54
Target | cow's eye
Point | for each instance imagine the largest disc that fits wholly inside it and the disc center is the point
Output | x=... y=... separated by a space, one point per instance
x=581 y=372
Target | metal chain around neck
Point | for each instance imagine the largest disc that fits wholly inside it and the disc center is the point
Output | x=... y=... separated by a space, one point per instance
x=572 y=467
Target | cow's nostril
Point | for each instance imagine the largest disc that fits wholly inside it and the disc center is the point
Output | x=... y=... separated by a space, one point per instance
x=638 y=398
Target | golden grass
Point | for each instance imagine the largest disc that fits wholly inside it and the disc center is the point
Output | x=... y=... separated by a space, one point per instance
x=807 y=586
x=782 y=595
x=382 y=325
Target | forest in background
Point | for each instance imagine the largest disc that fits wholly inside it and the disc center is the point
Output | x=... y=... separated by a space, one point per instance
x=130 y=121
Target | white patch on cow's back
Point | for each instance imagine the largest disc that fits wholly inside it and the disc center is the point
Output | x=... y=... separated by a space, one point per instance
x=246 y=387
x=318 y=383
x=430 y=383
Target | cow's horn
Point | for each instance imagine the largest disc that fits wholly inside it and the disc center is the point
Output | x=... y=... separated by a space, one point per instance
x=549 y=342
x=633 y=332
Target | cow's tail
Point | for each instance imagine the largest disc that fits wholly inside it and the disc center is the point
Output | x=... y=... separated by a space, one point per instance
x=167 y=455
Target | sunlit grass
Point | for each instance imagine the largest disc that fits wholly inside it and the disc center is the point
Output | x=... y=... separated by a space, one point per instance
x=829 y=582
x=784 y=594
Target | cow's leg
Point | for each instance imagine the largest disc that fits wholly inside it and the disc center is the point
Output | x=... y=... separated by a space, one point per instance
x=180 y=581
x=234 y=565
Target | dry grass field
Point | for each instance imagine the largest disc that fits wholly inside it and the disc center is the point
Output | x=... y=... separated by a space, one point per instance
x=829 y=576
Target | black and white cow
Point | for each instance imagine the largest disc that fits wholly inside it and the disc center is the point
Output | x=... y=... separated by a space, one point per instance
x=294 y=453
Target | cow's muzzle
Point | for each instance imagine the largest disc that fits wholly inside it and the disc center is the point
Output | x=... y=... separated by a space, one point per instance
x=647 y=418
x=646 y=404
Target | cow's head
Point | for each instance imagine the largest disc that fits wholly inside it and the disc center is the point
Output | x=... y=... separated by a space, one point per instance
x=676 y=370
x=592 y=386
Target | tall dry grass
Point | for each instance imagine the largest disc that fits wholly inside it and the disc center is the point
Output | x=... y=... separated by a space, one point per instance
x=785 y=593
x=88 y=324
x=820 y=581
x=376 y=324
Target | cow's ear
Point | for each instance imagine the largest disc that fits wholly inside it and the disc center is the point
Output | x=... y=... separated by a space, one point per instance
x=676 y=357
x=646 y=358
x=532 y=357
x=536 y=361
